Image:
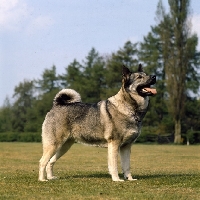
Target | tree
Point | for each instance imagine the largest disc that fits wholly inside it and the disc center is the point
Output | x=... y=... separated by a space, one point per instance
x=87 y=78
x=177 y=58
x=72 y=77
x=49 y=80
x=47 y=87
x=150 y=54
x=36 y=114
x=24 y=97
x=93 y=77
x=124 y=56
x=5 y=116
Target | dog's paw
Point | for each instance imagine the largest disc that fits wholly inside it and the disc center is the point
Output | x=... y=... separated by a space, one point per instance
x=129 y=178
x=43 y=180
x=118 y=180
x=52 y=178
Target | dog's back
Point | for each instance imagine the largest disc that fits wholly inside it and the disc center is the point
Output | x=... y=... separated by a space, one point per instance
x=69 y=117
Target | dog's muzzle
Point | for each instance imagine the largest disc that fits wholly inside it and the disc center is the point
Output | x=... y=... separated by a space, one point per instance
x=145 y=89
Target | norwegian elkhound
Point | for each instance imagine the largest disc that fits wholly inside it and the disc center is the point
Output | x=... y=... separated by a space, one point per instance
x=115 y=123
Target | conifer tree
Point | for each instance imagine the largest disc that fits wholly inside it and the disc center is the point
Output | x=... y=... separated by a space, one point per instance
x=172 y=48
x=124 y=56
x=24 y=97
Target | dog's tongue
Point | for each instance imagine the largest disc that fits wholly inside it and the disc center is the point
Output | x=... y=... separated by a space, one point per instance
x=152 y=90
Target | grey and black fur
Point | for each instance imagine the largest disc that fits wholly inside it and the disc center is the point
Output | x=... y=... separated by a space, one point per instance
x=114 y=123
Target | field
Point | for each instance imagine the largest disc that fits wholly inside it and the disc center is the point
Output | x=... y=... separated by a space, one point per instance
x=163 y=172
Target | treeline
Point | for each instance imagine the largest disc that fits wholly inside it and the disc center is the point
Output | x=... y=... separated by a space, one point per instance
x=173 y=112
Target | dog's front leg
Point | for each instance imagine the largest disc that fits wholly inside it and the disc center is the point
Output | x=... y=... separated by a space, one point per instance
x=125 y=161
x=113 y=149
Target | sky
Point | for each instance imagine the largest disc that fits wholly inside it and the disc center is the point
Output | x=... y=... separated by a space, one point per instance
x=35 y=35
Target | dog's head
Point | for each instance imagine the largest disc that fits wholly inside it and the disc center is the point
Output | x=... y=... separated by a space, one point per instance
x=138 y=82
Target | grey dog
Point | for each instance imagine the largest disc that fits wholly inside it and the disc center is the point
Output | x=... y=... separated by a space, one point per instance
x=115 y=123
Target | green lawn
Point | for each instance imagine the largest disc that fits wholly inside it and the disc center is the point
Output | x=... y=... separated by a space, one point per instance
x=163 y=172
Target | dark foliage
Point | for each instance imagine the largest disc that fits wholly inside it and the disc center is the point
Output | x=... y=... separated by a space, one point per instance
x=99 y=77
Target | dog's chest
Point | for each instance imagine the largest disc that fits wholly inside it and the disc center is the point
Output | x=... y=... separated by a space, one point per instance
x=132 y=127
x=131 y=132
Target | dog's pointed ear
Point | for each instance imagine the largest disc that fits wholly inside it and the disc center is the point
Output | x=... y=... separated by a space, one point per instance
x=125 y=71
x=140 y=69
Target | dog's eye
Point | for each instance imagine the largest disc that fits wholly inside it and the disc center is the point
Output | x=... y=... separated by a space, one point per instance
x=140 y=76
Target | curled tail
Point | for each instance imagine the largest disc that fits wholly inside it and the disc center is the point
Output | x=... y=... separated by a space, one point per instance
x=66 y=96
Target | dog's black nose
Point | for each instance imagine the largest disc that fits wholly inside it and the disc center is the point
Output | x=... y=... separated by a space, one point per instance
x=153 y=77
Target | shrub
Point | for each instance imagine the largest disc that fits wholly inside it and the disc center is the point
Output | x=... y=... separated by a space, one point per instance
x=20 y=137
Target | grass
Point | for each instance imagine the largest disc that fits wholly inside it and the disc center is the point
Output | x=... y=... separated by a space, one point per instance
x=163 y=172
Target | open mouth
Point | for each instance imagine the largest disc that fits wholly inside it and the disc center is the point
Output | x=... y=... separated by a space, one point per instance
x=146 y=90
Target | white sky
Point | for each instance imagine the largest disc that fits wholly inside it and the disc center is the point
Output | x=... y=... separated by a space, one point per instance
x=34 y=34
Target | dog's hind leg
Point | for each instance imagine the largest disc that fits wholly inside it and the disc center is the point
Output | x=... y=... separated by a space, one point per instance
x=48 y=152
x=49 y=168
x=125 y=152
x=113 y=149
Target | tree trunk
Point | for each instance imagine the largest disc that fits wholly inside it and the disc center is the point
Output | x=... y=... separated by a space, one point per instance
x=177 y=134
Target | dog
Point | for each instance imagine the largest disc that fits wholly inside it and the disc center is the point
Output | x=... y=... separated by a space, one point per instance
x=115 y=123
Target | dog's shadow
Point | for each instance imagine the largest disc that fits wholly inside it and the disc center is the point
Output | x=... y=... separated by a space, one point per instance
x=164 y=175
x=88 y=176
x=138 y=177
